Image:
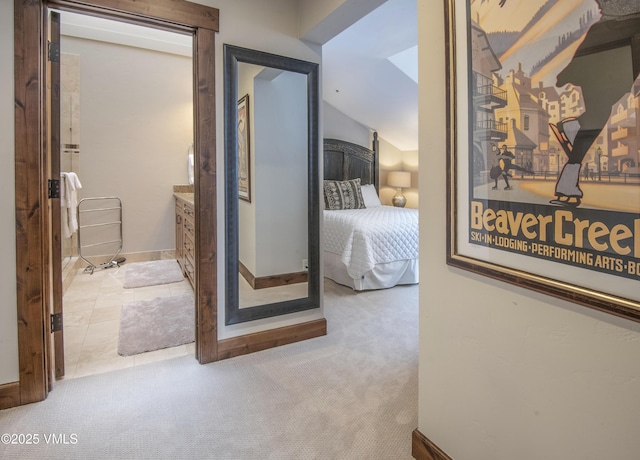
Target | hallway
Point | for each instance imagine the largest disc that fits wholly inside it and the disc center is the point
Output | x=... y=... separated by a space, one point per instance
x=351 y=394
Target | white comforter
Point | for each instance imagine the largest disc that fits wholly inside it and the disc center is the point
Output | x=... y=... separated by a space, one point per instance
x=367 y=237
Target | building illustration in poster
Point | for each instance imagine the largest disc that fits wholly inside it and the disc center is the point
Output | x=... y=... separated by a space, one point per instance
x=554 y=151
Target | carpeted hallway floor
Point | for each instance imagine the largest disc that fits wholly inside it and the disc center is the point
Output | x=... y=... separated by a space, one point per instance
x=349 y=395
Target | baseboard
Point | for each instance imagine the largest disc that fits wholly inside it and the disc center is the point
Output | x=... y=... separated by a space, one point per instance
x=250 y=343
x=9 y=395
x=284 y=279
x=247 y=275
x=422 y=448
x=263 y=282
x=145 y=256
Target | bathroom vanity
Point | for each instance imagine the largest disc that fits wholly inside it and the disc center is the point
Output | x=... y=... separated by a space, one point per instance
x=185 y=234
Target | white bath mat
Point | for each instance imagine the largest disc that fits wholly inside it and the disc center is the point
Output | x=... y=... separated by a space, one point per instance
x=152 y=273
x=163 y=322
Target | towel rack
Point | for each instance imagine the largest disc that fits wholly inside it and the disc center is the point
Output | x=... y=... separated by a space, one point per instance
x=100 y=231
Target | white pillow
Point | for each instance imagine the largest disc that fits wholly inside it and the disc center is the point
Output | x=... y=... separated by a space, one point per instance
x=370 y=196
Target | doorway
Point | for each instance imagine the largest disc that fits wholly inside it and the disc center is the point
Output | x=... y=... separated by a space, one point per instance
x=126 y=99
x=32 y=216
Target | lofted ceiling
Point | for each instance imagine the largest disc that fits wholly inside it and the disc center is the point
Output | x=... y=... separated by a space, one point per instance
x=370 y=72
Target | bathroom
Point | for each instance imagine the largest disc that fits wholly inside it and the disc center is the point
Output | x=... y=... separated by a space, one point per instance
x=126 y=130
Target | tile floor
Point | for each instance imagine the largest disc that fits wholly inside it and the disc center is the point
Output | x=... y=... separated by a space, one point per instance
x=92 y=306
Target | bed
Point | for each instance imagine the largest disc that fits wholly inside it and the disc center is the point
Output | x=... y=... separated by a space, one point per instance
x=365 y=245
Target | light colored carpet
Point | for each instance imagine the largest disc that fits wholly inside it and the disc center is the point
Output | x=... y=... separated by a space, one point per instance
x=163 y=322
x=155 y=272
x=349 y=395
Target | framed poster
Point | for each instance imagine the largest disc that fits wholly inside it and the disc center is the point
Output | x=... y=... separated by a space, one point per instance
x=543 y=146
x=244 y=152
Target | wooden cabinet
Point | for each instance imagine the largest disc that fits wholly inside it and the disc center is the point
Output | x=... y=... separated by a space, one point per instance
x=185 y=236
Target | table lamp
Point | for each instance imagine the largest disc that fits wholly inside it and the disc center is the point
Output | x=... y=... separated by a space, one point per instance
x=400 y=180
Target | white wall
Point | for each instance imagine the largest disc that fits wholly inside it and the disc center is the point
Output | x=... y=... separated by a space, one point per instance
x=265 y=26
x=246 y=210
x=281 y=174
x=504 y=372
x=337 y=125
x=136 y=125
x=273 y=226
x=8 y=314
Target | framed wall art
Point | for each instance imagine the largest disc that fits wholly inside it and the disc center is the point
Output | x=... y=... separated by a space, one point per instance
x=244 y=151
x=543 y=146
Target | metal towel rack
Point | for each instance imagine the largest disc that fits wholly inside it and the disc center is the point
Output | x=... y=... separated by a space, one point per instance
x=100 y=226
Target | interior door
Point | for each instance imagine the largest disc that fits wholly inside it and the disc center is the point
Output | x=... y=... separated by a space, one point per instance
x=54 y=203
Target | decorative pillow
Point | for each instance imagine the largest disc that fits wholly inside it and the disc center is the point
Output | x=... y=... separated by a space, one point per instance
x=343 y=194
x=371 y=199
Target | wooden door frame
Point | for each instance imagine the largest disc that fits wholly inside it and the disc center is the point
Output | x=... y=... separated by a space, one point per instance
x=32 y=216
x=52 y=81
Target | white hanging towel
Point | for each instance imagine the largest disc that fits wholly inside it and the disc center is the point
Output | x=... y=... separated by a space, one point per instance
x=69 y=186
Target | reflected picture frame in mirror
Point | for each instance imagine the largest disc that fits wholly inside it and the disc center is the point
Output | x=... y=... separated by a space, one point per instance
x=244 y=149
x=234 y=312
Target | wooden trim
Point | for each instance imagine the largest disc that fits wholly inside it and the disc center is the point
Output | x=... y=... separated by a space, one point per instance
x=9 y=395
x=32 y=216
x=247 y=275
x=263 y=282
x=422 y=448
x=250 y=343
x=31 y=248
x=283 y=279
x=53 y=113
x=205 y=201
x=179 y=13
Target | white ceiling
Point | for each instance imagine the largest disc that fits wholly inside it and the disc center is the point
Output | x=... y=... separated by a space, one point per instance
x=95 y=28
x=370 y=72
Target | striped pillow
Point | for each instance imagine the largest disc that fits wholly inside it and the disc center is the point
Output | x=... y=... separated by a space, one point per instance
x=343 y=194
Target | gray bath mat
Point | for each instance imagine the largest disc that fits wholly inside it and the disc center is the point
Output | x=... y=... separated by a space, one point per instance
x=152 y=273
x=147 y=325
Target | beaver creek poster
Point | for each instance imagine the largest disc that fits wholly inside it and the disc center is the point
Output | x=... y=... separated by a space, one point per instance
x=547 y=162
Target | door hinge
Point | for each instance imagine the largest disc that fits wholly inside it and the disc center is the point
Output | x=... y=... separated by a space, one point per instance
x=54 y=188
x=56 y=322
x=54 y=52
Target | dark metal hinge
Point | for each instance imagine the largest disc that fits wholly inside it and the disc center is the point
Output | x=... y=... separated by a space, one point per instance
x=54 y=52
x=56 y=322
x=54 y=188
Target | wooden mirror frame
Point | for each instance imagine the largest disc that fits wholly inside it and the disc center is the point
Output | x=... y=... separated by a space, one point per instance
x=232 y=56
x=33 y=248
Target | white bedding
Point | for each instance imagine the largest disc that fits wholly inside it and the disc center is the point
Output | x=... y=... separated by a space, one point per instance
x=364 y=238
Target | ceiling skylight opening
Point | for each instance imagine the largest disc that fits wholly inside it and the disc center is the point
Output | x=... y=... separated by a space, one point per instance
x=407 y=61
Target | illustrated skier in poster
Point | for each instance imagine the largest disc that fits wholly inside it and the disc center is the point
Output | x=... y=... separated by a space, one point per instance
x=577 y=135
x=600 y=87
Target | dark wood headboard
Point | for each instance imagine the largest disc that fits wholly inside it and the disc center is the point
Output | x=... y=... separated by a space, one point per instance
x=344 y=160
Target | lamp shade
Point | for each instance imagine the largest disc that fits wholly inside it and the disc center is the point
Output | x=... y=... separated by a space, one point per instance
x=401 y=179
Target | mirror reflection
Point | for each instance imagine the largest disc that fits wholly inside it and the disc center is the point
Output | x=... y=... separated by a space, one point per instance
x=272 y=185
x=272 y=199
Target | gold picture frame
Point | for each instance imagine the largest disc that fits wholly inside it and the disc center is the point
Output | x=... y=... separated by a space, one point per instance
x=540 y=194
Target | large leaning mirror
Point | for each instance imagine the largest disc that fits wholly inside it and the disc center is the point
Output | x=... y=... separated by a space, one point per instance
x=271 y=176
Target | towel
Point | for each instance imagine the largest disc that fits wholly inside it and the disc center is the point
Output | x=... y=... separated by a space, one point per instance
x=69 y=186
